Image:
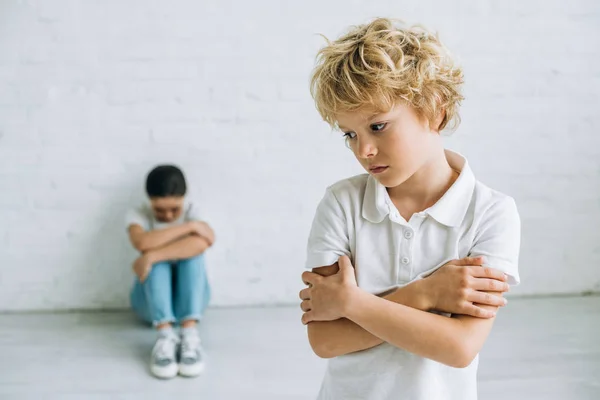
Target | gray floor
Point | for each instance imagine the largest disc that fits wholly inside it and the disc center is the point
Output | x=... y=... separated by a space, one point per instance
x=540 y=349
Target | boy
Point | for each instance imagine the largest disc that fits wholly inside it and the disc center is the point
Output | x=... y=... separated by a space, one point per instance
x=417 y=233
x=171 y=284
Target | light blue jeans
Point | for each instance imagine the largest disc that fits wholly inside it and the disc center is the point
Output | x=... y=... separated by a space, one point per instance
x=173 y=292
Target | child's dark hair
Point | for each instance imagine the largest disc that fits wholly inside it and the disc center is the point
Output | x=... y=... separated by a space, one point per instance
x=166 y=181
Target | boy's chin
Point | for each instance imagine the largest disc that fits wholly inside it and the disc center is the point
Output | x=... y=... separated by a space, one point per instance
x=390 y=181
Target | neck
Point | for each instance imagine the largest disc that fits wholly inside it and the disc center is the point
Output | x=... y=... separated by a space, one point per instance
x=427 y=185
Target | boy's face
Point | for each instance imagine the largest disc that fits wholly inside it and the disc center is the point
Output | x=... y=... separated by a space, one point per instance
x=167 y=209
x=390 y=146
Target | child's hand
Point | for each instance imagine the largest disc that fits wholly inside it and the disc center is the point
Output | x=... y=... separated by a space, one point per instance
x=201 y=228
x=142 y=267
x=460 y=285
x=326 y=298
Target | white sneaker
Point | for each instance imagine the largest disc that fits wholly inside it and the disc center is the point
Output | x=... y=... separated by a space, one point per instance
x=191 y=361
x=164 y=363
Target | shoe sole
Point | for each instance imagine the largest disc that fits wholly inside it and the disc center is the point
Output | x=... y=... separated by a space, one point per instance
x=164 y=372
x=190 y=371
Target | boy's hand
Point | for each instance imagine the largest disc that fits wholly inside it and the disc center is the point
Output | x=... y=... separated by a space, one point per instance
x=201 y=228
x=142 y=266
x=326 y=298
x=460 y=285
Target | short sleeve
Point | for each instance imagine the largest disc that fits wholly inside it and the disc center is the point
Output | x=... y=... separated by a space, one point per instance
x=193 y=212
x=328 y=238
x=137 y=216
x=498 y=239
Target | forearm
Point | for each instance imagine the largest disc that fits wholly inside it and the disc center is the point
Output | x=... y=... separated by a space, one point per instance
x=187 y=247
x=158 y=238
x=330 y=339
x=335 y=338
x=451 y=341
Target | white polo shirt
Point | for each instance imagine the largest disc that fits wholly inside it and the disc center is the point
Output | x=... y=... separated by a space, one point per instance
x=143 y=216
x=357 y=218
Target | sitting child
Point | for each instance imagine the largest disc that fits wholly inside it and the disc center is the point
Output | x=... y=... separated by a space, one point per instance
x=171 y=284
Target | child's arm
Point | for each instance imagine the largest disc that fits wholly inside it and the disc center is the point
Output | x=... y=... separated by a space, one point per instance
x=447 y=290
x=451 y=341
x=334 y=338
x=187 y=247
x=144 y=241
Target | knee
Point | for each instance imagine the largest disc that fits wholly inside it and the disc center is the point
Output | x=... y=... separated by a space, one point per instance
x=158 y=272
x=197 y=261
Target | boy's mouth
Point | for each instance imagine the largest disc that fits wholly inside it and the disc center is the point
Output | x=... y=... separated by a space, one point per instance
x=377 y=169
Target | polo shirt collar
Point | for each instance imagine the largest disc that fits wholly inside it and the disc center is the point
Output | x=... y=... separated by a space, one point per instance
x=449 y=210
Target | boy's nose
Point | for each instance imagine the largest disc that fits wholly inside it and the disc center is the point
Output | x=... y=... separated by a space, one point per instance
x=366 y=149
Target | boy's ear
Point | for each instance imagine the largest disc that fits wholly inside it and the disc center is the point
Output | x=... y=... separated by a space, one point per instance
x=440 y=121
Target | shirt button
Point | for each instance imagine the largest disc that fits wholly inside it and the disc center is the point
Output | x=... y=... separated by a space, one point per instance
x=408 y=234
x=405 y=260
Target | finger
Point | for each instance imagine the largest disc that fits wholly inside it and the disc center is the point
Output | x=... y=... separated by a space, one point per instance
x=307 y=317
x=310 y=278
x=305 y=305
x=489 y=299
x=463 y=262
x=305 y=294
x=345 y=264
x=490 y=285
x=475 y=311
x=490 y=273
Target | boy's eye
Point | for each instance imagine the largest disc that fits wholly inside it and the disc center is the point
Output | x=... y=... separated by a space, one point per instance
x=378 y=127
x=349 y=135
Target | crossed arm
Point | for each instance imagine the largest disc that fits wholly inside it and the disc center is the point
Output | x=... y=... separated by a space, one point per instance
x=402 y=318
x=175 y=243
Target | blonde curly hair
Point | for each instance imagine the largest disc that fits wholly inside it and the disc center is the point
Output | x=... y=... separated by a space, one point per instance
x=380 y=63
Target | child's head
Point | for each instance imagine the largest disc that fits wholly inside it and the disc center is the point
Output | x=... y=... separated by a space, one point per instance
x=391 y=89
x=166 y=188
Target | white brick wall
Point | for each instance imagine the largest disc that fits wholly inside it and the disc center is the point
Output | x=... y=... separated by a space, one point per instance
x=93 y=94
